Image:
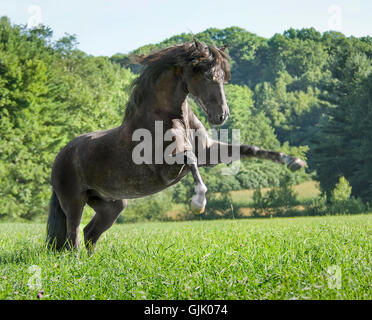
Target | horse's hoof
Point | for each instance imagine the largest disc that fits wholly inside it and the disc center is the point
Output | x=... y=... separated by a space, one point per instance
x=196 y=210
x=296 y=164
x=196 y=206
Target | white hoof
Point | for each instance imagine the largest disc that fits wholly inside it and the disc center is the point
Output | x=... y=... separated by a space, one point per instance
x=197 y=204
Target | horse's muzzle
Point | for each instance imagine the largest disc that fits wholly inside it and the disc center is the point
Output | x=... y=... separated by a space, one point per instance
x=218 y=119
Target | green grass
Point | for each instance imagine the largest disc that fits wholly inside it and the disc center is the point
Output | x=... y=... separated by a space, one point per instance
x=284 y=258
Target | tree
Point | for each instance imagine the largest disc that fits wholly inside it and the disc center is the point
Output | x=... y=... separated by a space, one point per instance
x=49 y=94
x=343 y=147
x=341 y=192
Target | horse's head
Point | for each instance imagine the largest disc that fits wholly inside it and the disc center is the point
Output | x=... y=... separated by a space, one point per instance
x=205 y=77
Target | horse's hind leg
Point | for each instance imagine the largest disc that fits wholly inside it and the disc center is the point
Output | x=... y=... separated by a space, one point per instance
x=106 y=214
x=73 y=206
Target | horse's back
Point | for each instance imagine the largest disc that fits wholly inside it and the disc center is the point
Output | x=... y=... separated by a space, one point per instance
x=66 y=169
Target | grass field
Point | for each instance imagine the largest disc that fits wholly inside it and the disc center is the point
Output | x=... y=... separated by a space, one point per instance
x=287 y=258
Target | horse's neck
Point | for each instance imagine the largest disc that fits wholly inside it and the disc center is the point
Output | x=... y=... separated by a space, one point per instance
x=166 y=100
x=170 y=95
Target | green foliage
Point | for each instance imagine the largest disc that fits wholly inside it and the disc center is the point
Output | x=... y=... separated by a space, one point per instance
x=277 y=201
x=343 y=146
x=317 y=206
x=49 y=94
x=219 y=207
x=350 y=206
x=341 y=192
x=320 y=207
x=341 y=201
x=259 y=202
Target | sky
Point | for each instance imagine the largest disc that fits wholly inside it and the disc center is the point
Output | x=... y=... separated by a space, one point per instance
x=106 y=27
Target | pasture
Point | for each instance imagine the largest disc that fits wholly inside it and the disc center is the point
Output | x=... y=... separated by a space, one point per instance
x=305 y=191
x=279 y=258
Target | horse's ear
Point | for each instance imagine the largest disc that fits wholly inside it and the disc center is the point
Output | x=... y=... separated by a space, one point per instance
x=201 y=48
x=137 y=58
x=198 y=45
x=223 y=48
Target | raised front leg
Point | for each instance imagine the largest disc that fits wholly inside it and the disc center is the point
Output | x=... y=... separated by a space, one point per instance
x=292 y=163
x=219 y=152
x=198 y=200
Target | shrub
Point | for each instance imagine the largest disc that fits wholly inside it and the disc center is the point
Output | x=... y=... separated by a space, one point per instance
x=317 y=206
x=219 y=207
x=350 y=206
x=341 y=192
x=341 y=202
x=278 y=201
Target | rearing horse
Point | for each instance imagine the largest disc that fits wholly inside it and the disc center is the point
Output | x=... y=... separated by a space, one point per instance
x=98 y=168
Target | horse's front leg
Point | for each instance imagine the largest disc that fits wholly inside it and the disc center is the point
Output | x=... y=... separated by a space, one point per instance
x=198 y=200
x=219 y=152
x=292 y=163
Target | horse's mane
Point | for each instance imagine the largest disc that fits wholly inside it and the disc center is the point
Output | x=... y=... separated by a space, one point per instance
x=178 y=55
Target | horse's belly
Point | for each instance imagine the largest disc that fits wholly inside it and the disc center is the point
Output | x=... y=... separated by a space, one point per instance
x=138 y=183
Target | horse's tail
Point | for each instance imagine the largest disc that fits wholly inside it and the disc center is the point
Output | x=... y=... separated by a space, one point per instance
x=56 y=227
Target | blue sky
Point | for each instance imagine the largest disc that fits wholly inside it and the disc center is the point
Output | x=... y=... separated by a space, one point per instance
x=105 y=27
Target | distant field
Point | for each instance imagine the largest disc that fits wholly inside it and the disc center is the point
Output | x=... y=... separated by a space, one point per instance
x=305 y=191
x=279 y=258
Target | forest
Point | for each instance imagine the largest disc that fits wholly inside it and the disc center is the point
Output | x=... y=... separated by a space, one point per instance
x=302 y=92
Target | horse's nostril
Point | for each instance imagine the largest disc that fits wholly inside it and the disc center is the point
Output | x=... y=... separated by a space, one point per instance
x=221 y=118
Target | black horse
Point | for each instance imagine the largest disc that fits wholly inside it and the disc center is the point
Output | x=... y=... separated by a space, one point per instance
x=98 y=168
